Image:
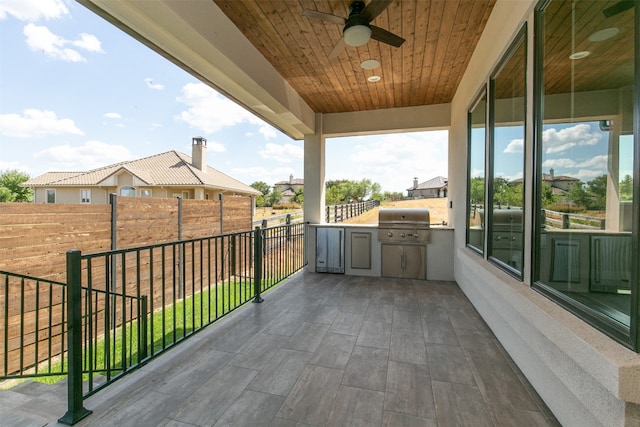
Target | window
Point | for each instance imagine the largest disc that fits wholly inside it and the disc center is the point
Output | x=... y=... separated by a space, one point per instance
x=127 y=191
x=185 y=195
x=505 y=205
x=145 y=193
x=476 y=173
x=585 y=126
x=85 y=196
x=51 y=196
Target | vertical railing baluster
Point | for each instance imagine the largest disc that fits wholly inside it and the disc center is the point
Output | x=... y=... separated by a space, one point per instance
x=257 y=267
x=75 y=410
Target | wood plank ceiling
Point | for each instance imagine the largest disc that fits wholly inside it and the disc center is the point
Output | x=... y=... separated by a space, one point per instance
x=440 y=38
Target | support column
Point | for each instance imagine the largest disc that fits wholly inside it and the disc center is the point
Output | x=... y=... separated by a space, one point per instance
x=314 y=169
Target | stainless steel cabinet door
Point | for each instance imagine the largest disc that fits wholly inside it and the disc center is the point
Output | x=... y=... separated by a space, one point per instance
x=404 y=261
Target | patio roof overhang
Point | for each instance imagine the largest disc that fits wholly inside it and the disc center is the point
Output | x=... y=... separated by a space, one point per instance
x=207 y=39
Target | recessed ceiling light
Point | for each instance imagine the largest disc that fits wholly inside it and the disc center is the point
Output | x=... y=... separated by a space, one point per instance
x=374 y=79
x=580 y=55
x=603 y=35
x=370 y=64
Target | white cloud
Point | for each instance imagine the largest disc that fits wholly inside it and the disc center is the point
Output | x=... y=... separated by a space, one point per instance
x=559 y=163
x=152 y=85
x=267 y=132
x=4 y=166
x=32 y=10
x=586 y=175
x=88 y=42
x=557 y=141
x=286 y=153
x=41 y=39
x=599 y=162
x=36 y=123
x=112 y=115
x=259 y=173
x=515 y=146
x=391 y=160
x=209 y=111
x=90 y=155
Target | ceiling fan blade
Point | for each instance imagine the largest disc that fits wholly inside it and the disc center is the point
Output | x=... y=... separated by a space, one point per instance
x=617 y=8
x=374 y=9
x=324 y=16
x=337 y=49
x=385 y=36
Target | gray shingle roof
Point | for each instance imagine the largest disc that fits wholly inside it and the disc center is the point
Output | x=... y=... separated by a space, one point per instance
x=437 y=182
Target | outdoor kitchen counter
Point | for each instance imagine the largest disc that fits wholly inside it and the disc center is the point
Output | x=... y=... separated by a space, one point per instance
x=439 y=250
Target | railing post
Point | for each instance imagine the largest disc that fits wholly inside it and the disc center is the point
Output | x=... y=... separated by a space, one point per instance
x=75 y=410
x=142 y=329
x=288 y=223
x=257 y=265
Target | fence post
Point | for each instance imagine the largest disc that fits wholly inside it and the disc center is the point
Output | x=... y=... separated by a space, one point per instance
x=221 y=213
x=257 y=265
x=75 y=410
x=113 y=201
x=288 y=222
x=180 y=250
x=328 y=209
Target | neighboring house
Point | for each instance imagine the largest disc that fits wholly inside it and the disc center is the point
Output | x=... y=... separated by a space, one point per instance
x=170 y=174
x=288 y=188
x=433 y=188
x=560 y=185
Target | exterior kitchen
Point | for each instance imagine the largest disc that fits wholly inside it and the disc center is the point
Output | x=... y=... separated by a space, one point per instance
x=404 y=244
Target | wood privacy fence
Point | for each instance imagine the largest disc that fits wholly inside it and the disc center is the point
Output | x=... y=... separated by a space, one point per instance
x=34 y=238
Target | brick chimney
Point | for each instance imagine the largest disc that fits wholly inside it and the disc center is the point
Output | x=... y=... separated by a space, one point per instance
x=290 y=179
x=415 y=182
x=199 y=153
x=552 y=174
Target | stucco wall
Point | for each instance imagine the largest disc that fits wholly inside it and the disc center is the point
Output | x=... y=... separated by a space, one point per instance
x=581 y=374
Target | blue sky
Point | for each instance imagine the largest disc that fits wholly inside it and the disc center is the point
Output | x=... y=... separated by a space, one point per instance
x=578 y=150
x=76 y=93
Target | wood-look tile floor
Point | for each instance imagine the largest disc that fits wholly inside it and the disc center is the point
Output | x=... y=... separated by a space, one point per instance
x=332 y=350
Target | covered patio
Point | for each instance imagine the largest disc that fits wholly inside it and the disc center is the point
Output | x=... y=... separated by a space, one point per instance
x=326 y=349
x=459 y=60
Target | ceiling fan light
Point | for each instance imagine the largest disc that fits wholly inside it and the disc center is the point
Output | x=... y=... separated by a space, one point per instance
x=357 y=35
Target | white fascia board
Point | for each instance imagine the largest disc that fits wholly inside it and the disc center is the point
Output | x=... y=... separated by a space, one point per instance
x=388 y=120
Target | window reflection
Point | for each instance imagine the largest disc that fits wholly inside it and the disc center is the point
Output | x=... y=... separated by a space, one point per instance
x=586 y=151
x=507 y=162
x=476 y=174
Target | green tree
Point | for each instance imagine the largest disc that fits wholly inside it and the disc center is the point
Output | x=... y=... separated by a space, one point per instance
x=579 y=195
x=597 y=189
x=333 y=196
x=11 y=189
x=264 y=188
x=298 y=196
x=274 y=197
x=626 y=188
x=476 y=192
x=547 y=196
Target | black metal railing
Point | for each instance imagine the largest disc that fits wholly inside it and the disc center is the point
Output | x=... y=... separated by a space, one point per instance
x=32 y=338
x=120 y=308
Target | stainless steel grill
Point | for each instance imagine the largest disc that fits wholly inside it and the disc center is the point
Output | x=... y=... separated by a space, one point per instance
x=404 y=225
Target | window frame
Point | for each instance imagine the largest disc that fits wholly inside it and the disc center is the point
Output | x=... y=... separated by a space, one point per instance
x=627 y=336
x=521 y=38
x=482 y=93
x=53 y=192
x=83 y=198
x=128 y=188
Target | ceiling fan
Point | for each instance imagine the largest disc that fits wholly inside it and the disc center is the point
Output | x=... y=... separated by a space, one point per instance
x=357 y=28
